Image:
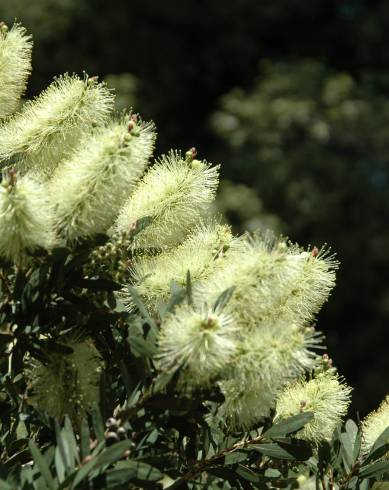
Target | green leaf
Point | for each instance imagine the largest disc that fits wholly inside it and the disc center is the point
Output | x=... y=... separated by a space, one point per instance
x=351 y=429
x=42 y=465
x=380 y=485
x=248 y=474
x=352 y=483
x=374 y=469
x=88 y=467
x=357 y=445
x=84 y=436
x=141 y=347
x=62 y=454
x=60 y=466
x=288 y=449
x=71 y=440
x=235 y=457
x=381 y=440
x=134 y=470
x=21 y=430
x=377 y=454
x=84 y=472
x=224 y=298
x=5 y=486
x=364 y=485
x=287 y=426
x=189 y=292
x=110 y=455
x=118 y=477
x=142 y=309
x=347 y=450
x=272 y=473
x=177 y=296
x=97 y=422
x=162 y=380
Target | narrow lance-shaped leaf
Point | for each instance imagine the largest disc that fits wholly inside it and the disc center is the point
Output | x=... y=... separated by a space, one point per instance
x=289 y=425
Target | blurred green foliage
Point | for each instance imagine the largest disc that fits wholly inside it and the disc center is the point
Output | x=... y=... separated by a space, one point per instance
x=53 y=16
x=241 y=206
x=125 y=86
x=306 y=143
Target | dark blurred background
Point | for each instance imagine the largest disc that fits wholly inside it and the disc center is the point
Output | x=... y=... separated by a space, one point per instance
x=291 y=96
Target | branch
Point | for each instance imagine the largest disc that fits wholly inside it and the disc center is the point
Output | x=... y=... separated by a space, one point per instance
x=205 y=464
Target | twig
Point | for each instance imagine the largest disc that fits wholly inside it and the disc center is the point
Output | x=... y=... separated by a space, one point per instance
x=203 y=465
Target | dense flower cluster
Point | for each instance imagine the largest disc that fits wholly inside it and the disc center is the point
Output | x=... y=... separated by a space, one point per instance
x=72 y=170
x=69 y=383
x=326 y=396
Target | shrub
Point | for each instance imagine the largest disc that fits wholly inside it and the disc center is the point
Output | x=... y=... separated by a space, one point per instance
x=121 y=301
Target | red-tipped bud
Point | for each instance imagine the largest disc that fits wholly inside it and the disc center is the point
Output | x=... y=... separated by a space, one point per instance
x=92 y=80
x=191 y=154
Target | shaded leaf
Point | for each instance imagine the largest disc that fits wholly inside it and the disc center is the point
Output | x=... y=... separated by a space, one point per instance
x=235 y=457
x=142 y=309
x=42 y=465
x=287 y=426
x=381 y=440
x=224 y=298
x=5 y=486
x=97 y=421
x=288 y=449
x=347 y=450
x=380 y=485
x=110 y=456
x=248 y=474
x=374 y=469
x=136 y=470
x=377 y=453
x=84 y=438
x=189 y=292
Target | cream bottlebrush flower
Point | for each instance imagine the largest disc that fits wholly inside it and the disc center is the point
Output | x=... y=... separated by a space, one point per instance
x=201 y=253
x=174 y=193
x=68 y=383
x=266 y=360
x=374 y=425
x=89 y=188
x=15 y=66
x=47 y=127
x=256 y=270
x=326 y=396
x=273 y=282
x=26 y=217
x=244 y=405
x=199 y=342
x=310 y=284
